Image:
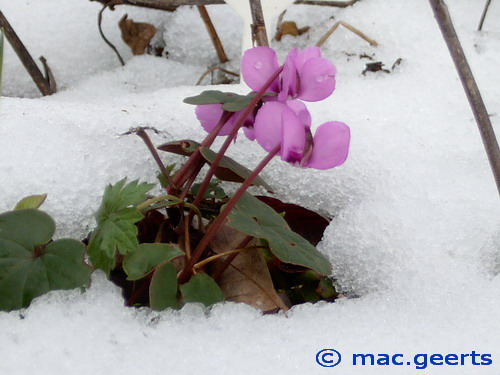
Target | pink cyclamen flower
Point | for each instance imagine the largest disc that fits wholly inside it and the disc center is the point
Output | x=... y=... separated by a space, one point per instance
x=306 y=75
x=210 y=114
x=289 y=124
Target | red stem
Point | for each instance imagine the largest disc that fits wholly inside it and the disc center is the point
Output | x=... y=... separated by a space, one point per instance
x=232 y=136
x=219 y=221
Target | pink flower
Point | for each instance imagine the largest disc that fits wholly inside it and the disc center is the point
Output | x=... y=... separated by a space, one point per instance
x=289 y=124
x=306 y=75
x=210 y=114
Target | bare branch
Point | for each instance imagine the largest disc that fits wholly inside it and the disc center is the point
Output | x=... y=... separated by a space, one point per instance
x=25 y=57
x=348 y=27
x=471 y=90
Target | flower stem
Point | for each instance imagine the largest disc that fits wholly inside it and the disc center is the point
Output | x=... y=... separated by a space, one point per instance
x=226 y=253
x=232 y=135
x=196 y=161
x=145 y=137
x=219 y=221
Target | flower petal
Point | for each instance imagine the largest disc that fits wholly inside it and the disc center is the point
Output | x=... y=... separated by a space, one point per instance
x=301 y=111
x=209 y=116
x=293 y=138
x=331 y=145
x=288 y=78
x=305 y=55
x=257 y=66
x=268 y=124
x=317 y=79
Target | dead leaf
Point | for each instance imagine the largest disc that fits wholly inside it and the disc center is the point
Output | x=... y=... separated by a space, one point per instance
x=137 y=35
x=247 y=279
x=290 y=28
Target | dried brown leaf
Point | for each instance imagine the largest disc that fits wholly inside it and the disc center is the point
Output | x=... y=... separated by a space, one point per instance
x=289 y=28
x=137 y=35
x=247 y=279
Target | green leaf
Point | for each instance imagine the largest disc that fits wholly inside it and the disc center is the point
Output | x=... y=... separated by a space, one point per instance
x=231 y=102
x=214 y=191
x=116 y=218
x=231 y=170
x=163 y=288
x=31 y=201
x=203 y=289
x=255 y=218
x=29 y=267
x=211 y=97
x=139 y=263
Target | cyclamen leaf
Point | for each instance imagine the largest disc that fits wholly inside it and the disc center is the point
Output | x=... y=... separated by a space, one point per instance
x=255 y=218
x=116 y=218
x=203 y=289
x=231 y=170
x=149 y=255
x=211 y=97
x=32 y=201
x=28 y=266
x=163 y=288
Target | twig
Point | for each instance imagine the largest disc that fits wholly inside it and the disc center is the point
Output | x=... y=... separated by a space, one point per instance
x=350 y=28
x=213 y=34
x=111 y=45
x=259 y=35
x=49 y=77
x=213 y=69
x=471 y=90
x=483 y=16
x=338 y=4
x=25 y=57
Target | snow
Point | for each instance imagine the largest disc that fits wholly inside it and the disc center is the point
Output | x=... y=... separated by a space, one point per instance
x=415 y=237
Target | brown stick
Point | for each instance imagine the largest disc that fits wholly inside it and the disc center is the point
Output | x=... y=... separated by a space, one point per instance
x=213 y=34
x=213 y=69
x=258 y=25
x=41 y=82
x=471 y=90
x=170 y=5
x=99 y=26
x=483 y=16
x=348 y=27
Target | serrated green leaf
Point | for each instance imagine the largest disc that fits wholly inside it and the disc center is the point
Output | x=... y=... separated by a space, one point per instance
x=31 y=201
x=116 y=218
x=163 y=288
x=29 y=267
x=203 y=289
x=255 y=218
x=231 y=170
x=141 y=262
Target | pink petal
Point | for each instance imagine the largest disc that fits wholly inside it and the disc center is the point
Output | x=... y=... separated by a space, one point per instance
x=257 y=66
x=317 y=79
x=331 y=145
x=293 y=138
x=288 y=78
x=305 y=55
x=209 y=116
x=300 y=109
x=268 y=123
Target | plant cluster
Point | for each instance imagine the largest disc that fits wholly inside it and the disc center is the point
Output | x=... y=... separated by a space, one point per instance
x=195 y=243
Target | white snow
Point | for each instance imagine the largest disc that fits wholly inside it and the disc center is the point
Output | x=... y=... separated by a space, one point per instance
x=416 y=233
